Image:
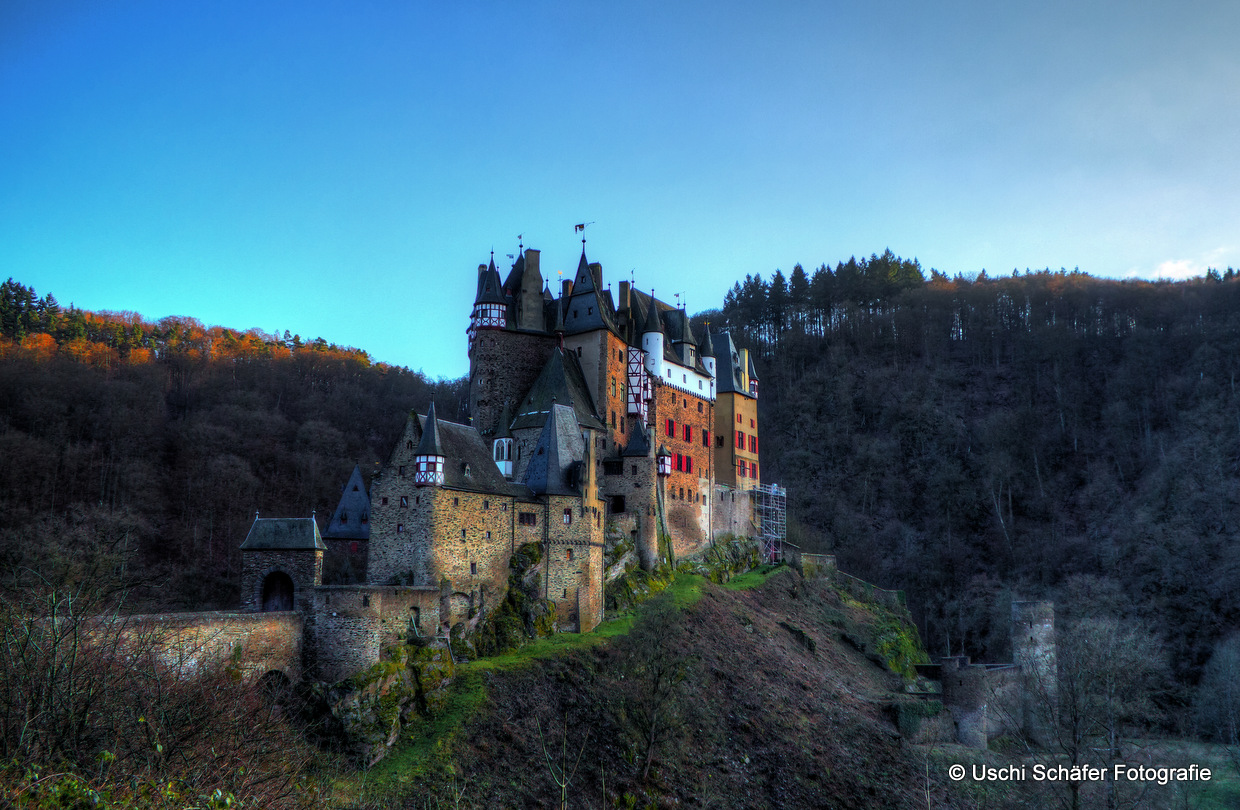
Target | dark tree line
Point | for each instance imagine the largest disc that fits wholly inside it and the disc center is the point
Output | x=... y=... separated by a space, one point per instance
x=972 y=440
x=161 y=440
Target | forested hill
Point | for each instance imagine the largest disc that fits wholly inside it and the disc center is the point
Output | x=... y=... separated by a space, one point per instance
x=150 y=445
x=1040 y=434
x=961 y=439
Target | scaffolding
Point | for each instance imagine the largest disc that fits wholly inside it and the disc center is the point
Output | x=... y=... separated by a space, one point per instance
x=770 y=506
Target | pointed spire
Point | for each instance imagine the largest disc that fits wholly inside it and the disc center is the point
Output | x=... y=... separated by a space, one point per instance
x=705 y=347
x=584 y=280
x=653 y=322
x=430 y=444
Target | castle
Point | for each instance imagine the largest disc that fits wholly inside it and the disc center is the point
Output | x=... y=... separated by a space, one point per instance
x=593 y=420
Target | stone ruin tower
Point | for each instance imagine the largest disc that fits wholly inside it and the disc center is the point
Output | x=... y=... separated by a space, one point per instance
x=1033 y=649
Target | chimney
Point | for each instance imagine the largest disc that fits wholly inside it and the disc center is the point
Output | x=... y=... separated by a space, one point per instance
x=566 y=288
x=622 y=305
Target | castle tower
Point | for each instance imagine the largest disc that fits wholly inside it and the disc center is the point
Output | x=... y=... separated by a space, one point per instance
x=508 y=339
x=652 y=340
x=1033 y=648
x=429 y=457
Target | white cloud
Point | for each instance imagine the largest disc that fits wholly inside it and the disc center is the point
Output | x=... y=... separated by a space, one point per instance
x=1179 y=269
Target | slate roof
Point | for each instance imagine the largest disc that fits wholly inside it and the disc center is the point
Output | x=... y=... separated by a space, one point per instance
x=639 y=442
x=284 y=534
x=727 y=365
x=561 y=382
x=429 y=444
x=346 y=522
x=588 y=308
x=489 y=287
x=555 y=468
x=467 y=460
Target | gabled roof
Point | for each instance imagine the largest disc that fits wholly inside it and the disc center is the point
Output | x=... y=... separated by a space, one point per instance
x=727 y=365
x=429 y=444
x=467 y=460
x=556 y=466
x=284 y=534
x=753 y=372
x=346 y=522
x=561 y=382
x=588 y=307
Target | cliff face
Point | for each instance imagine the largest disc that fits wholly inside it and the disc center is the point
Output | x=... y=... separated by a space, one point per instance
x=776 y=696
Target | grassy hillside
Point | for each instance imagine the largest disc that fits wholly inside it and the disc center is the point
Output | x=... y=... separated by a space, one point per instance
x=773 y=696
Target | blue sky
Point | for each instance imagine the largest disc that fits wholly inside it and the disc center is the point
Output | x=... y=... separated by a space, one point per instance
x=340 y=169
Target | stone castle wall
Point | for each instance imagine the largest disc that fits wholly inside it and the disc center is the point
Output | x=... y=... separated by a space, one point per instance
x=352 y=624
x=257 y=643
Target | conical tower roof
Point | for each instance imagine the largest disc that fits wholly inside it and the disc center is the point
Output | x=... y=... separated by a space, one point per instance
x=489 y=291
x=430 y=445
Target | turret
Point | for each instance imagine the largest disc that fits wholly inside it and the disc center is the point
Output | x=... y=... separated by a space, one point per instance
x=490 y=307
x=501 y=447
x=429 y=458
x=708 y=351
x=652 y=340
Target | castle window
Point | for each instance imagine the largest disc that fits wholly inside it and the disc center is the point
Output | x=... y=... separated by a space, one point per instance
x=344 y=517
x=365 y=601
x=400 y=527
x=566 y=593
x=462 y=535
x=527 y=519
x=671 y=428
x=355 y=487
x=568 y=517
x=503 y=507
x=383 y=501
x=404 y=501
x=751 y=423
x=753 y=444
x=682 y=493
x=456 y=501
x=699 y=404
x=589 y=310
x=613 y=386
x=688 y=433
x=408 y=446
x=706 y=438
x=365 y=518
x=699 y=388
x=569 y=554
x=634 y=466
x=753 y=470
x=617 y=504
x=740 y=440
x=473 y=569
x=488 y=535
x=688 y=463
x=739 y=418
x=741 y=469
x=579 y=351
x=417 y=500
x=486 y=504
x=719 y=441
x=684 y=378
x=680 y=462
x=402 y=471
x=613 y=419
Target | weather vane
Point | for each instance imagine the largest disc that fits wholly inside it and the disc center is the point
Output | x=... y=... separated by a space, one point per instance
x=581 y=229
